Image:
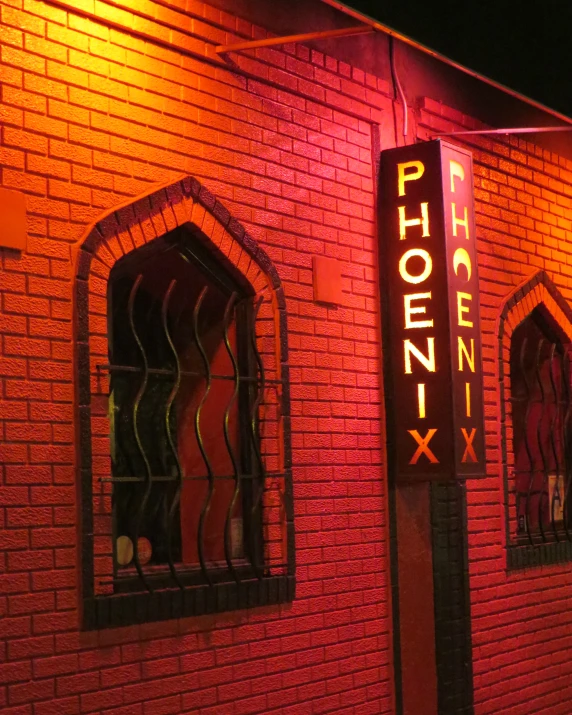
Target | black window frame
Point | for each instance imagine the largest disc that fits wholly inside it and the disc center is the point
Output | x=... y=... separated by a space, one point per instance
x=540 y=395
x=532 y=547
x=128 y=581
x=126 y=606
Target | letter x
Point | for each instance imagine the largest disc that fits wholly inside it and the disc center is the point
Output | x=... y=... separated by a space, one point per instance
x=469 y=451
x=423 y=447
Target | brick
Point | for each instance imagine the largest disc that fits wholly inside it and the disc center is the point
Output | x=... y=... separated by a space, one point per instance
x=23 y=60
x=25 y=140
x=30 y=603
x=13 y=453
x=14 y=672
x=12 y=583
x=67 y=74
x=107 y=698
x=49 y=328
x=54 y=623
x=56 y=665
x=28 y=647
x=31 y=691
x=68 y=37
x=14 y=496
x=21 y=181
x=64 y=111
x=16 y=627
x=45 y=125
x=88 y=27
x=25 y=100
x=58 y=706
x=29 y=516
x=27 y=475
x=47 y=87
x=48 y=167
x=23 y=20
x=11 y=75
x=88 y=62
x=45 y=48
x=69 y=152
x=299 y=175
x=54 y=14
x=12 y=157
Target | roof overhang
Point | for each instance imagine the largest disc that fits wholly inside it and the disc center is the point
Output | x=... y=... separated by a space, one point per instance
x=376 y=25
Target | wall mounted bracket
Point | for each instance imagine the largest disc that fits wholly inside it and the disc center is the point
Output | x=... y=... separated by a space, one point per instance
x=284 y=40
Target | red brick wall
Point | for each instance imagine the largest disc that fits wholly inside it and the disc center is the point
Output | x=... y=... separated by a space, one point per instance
x=92 y=115
x=521 y=619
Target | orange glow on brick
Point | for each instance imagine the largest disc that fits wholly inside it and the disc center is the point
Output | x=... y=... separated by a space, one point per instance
x=102 y=102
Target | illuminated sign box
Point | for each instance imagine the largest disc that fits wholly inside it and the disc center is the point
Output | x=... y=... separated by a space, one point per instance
x=431 y=330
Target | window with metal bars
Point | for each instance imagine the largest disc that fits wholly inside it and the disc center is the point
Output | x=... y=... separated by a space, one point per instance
x=188 y=506
x=540 y=380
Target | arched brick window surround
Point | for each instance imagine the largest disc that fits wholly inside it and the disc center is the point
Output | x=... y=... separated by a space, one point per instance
x=534 y=292
x=116 y=234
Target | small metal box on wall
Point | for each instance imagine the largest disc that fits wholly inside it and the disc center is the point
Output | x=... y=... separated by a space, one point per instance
x=431 y=324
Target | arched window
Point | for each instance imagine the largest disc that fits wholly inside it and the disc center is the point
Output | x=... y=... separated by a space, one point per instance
x=535 y=371
x=184 y=430
x=542 y=430
x=184 y=448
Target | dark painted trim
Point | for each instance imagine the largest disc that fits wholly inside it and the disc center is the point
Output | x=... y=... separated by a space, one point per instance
x=124 y=609
x=394 y=575
x=453 y=641
x=390 y=461
x=527 y=556
x=135 y=608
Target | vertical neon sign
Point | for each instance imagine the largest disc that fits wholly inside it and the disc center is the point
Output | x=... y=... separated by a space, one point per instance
x=430 y=296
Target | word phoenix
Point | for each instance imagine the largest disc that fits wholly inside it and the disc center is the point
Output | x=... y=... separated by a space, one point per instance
x=433 y=374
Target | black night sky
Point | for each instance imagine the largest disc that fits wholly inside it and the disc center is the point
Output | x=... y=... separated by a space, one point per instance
x=523 y=44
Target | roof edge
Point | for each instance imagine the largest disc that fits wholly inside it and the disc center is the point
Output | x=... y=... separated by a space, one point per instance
x=366 y=19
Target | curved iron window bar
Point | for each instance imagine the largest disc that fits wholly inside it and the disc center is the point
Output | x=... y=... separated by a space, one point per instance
x=191 y=513
x=541 y=374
